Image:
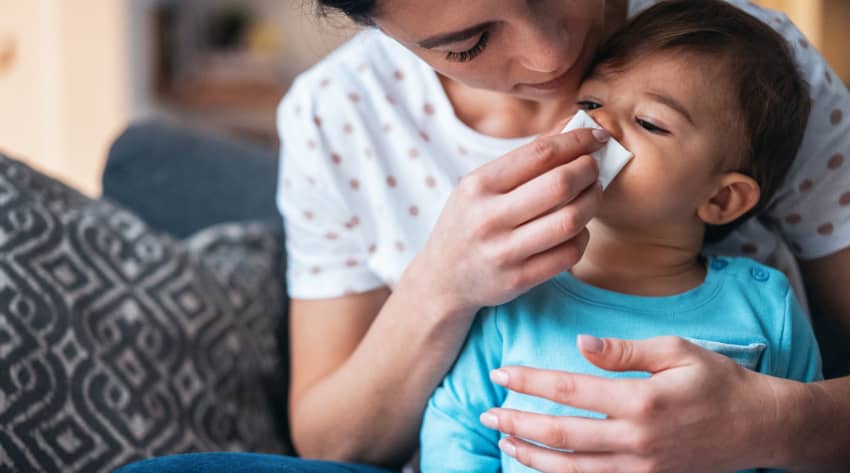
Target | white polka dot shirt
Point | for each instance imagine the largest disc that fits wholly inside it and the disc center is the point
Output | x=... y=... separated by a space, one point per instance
x=371 y=150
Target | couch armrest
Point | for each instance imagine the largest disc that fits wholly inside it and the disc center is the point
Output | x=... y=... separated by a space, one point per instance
x=180 y=181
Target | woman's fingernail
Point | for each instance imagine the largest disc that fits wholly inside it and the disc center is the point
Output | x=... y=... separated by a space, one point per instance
x=591 y=344
x=601 y=136
x=499 y=377
x=508 y=447
x=490 y=420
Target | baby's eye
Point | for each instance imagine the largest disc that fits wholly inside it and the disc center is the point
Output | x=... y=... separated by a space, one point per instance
x=651 y=128
x=588 y=105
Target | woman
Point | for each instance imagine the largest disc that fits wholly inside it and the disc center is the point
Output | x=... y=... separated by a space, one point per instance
x=391 y=252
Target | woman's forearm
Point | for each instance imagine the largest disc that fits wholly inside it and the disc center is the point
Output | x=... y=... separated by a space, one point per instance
x=369 y=410
x=815 y=433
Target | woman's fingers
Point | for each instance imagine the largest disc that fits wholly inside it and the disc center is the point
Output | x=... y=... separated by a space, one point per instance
x=581 y=434
x=541 y=155
x=617 y=398
x=548 y=264
x=653 y=355
x=557 y=226
x=548 y=191
x=552 y=461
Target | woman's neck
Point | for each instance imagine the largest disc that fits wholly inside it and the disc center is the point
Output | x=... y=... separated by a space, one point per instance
x=629 y=262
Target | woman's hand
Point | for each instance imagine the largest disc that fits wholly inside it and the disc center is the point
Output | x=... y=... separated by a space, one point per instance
x=698 y=412
x=512 y=223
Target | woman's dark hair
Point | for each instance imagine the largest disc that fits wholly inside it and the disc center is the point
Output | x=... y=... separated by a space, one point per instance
x=361 y=11
x=772 y=97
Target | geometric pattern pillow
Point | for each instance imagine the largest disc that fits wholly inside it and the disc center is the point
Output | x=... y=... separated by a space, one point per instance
x=118 y=343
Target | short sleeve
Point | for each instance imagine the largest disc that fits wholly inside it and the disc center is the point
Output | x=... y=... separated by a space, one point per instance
x=796 y=355
x=326 y=254
x=452 y=438
x=813 y=207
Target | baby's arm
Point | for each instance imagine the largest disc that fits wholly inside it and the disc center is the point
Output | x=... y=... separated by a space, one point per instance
x=452 y=437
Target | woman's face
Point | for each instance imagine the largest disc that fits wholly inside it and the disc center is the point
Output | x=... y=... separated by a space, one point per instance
x=532 y=49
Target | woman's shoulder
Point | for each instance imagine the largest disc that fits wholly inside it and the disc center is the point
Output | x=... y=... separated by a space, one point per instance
x=368 y=64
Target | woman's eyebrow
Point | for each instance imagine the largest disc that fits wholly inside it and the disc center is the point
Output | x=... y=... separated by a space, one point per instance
x=453 y=37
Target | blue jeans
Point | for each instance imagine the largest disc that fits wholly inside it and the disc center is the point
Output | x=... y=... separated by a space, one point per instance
x=242 y=463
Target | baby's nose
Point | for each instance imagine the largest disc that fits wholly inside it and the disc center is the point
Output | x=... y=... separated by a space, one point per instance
x=608 y=121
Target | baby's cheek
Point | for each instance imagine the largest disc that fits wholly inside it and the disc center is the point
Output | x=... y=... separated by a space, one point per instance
x=646 y=188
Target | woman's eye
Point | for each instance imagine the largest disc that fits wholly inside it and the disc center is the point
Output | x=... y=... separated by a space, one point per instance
x=651 y=128
x=588 y=105
x=471 y=53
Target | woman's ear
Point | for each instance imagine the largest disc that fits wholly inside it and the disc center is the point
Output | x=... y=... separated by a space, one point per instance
x=735 y=195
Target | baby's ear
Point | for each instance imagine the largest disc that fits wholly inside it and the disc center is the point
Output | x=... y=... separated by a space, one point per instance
x=735 y=195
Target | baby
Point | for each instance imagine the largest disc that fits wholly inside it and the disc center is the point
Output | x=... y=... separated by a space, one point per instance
x=709 y=101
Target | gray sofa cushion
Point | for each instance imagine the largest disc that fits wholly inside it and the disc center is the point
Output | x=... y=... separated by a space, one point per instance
x=118 y=343
x=180 y=180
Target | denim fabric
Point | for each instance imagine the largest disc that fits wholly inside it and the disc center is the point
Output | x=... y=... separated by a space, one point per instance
x=242 y=463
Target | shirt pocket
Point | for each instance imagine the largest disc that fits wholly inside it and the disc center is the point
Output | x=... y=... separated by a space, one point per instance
x=747 y=356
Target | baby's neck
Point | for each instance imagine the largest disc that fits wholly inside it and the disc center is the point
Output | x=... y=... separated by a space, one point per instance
x=640 y=264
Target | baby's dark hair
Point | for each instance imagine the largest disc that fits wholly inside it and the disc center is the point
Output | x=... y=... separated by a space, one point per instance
x=361 y=11
x=773 y=99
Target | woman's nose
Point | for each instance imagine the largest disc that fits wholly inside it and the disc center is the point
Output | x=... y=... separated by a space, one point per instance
x=607 y=120
x=545 y=49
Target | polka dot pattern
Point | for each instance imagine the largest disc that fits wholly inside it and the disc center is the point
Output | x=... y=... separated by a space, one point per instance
x=835 y=161
x=394 y=159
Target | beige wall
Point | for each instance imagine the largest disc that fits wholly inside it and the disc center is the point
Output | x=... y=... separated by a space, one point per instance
x=66 y=94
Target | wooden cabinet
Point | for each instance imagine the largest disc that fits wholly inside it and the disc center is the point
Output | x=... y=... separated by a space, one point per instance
x=64 y=84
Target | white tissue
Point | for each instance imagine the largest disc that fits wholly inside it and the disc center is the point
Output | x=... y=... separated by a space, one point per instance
x=611 y=158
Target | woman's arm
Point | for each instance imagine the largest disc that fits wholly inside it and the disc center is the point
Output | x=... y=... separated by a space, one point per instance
x=359 y=380
x=364 y=366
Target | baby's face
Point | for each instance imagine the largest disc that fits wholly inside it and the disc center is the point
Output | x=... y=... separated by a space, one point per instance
x=677 y=115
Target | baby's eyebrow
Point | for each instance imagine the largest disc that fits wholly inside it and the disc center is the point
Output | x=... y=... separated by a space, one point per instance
x=672 y=103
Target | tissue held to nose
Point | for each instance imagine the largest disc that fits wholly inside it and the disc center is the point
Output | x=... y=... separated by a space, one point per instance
x=611 y=158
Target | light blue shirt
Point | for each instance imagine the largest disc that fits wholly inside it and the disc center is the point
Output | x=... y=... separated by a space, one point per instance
x=743 y=309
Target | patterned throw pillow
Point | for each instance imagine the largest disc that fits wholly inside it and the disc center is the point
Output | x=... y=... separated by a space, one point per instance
x=117 y=343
